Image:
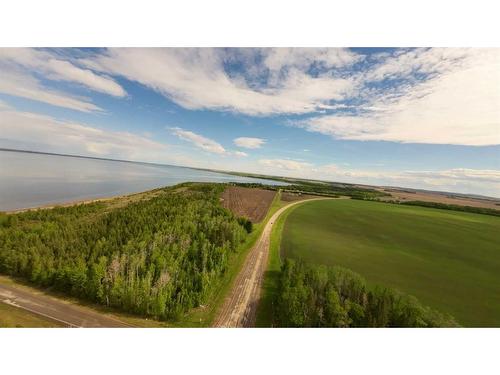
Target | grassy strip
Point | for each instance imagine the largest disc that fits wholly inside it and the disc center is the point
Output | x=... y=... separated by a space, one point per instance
x=15 y=317
x=131 y=319
x=270 y=284
x=204 y=316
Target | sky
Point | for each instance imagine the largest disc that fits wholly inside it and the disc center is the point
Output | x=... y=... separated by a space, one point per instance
x=424 y=118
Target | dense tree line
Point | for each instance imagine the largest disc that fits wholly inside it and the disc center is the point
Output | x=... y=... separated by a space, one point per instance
x=454 y=207
x=442 y=206
x=156 y=257
x=319 y=296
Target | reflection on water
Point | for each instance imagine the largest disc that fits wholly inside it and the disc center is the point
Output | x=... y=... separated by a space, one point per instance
x=31 y=180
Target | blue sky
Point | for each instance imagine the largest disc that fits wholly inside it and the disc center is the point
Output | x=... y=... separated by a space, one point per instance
x=424 y=118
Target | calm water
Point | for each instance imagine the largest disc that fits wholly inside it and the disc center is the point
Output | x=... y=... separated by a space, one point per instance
x=31 y=180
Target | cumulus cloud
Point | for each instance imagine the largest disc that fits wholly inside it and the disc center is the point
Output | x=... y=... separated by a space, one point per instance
x=199 y=141
x=248 y=142
x=46 y=133
x=278 y=58
x=457 y=104
x=240 y=154
x=204 y=143
x=423 y=95
x=435 y=95
x=286 y=164
x=196 y=78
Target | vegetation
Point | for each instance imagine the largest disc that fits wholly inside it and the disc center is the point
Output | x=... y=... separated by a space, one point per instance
x=454 y=207
x=204 y=315
x=156 y=257
x=245 y=223
x=319 y=296
x=14 y=317
x=442 y=206
x=265 y=310
x=449 y=260
x=328 y=189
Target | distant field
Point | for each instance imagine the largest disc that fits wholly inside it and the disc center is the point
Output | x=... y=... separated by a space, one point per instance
x=406 y=196
x=449 y=260
x=292 y=197
x=252 y=203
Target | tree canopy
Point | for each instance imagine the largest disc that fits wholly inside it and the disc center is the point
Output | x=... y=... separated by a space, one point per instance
x=156 y=257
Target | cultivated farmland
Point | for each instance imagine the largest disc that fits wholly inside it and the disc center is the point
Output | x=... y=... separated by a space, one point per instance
x=292 y=197
x=252 y=203
x=448 y=260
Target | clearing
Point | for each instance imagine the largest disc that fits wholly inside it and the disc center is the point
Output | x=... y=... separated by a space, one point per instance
x=252 y=203
x=448 y=260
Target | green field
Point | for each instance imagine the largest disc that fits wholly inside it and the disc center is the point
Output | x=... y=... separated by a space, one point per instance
x=448 y=260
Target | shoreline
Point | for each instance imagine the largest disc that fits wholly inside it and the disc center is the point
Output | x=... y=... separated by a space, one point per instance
x=73 y=202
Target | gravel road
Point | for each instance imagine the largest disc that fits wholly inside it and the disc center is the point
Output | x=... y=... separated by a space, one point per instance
x=240 y=306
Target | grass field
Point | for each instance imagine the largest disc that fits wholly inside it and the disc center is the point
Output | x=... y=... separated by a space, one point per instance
x=448 y=260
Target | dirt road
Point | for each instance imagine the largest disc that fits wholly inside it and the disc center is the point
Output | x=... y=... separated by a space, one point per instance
x=66 y=313
x=240 y=307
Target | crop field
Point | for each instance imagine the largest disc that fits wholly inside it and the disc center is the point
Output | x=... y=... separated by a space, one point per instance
x=251 y=203
x=449 y=260
x=292 y=197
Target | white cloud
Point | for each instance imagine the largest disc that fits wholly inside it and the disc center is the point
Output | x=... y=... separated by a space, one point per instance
x=25 y=86
x=248 y=142
x=279 y=58
x=56 y=68
x=199 y=141
x=461 y=180
x=205 y=144
x=437 y=95
x=458 y=105
x=63 y=70
x=421 y=60
x=290 y=165
x=196 y=79
x=45 y=133
x=240 y=154
x=485 y=175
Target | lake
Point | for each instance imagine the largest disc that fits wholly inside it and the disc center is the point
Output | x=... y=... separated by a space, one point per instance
x=33 y=180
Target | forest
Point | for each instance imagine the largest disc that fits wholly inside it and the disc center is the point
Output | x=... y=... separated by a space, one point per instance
x=320 y=296
x=155 y=257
